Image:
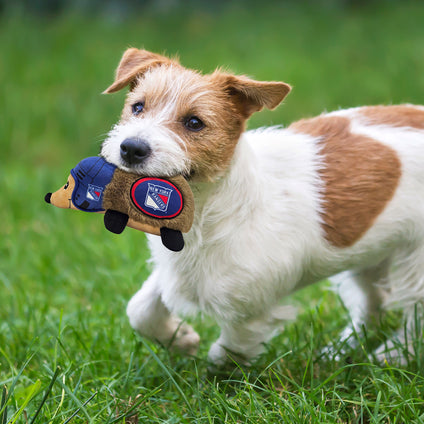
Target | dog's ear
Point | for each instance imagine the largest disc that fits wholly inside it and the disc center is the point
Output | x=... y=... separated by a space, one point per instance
x=251 y=96
x=135 y=62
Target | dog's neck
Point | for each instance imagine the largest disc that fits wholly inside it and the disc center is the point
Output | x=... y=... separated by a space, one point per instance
x=234 y=185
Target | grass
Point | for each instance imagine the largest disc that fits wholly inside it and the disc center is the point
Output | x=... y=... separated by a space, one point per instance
x=67 y=353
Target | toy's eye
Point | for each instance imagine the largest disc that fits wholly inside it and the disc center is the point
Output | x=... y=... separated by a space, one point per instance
x=193 y=123
x=137 y=108
x=66 y=185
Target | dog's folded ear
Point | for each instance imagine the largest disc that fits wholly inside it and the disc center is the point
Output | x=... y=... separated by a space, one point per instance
x=134 y=63
x=251 y=96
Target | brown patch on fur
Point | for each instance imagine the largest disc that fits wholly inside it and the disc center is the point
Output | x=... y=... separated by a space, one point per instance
x=396 y=116
x=251 y=96
x=230 y=99
x=360 y=177
x=135 y=62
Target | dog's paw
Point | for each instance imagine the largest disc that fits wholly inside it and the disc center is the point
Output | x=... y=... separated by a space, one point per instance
x=391 y=353
x=331 y=352
x=346 y=342
x=186 y=340
x=220 y=357
x=217 y=355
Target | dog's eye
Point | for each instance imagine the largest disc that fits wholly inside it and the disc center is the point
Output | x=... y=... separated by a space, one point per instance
x=137 y=108
x=193 y=123
x=66 y=185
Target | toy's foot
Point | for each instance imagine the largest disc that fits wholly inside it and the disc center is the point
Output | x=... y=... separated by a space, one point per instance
x=172 y=239
x=115 y=221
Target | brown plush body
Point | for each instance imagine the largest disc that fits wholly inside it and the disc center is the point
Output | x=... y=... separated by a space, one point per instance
x=114 y=199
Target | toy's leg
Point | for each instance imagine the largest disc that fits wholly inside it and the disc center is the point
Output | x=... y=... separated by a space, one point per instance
x=172 y=239
x=242 y=341
x=115 y=221
x=150 y=317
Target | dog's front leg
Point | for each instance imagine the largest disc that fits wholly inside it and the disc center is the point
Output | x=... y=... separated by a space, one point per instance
x=151 y=318
x=241 y=341
x=237 y=344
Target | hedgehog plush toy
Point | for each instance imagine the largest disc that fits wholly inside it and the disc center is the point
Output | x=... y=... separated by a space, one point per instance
x=160 y=206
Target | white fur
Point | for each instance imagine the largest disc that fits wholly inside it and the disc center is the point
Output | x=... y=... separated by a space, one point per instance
x=257 y=237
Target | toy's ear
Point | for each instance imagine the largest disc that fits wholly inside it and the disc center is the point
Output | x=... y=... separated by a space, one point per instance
x=251 y=96
x=62 y=198
x=135 y=62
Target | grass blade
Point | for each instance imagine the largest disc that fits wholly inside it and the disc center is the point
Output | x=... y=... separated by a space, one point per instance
x=3 y=407
x=166 y=370
x=46 y=394
x=35 y=387
x=79 y=409
x=15 y=381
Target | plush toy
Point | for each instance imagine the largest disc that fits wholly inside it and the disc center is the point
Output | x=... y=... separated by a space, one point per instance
x=161 y=206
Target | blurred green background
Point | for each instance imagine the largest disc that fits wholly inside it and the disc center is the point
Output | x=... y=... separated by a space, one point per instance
x=335 y=54
x=64 y=280
x=56 y=57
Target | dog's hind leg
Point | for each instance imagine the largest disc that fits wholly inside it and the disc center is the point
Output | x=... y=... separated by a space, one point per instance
x=151 y=318
x=362 y=294
x=406 y=285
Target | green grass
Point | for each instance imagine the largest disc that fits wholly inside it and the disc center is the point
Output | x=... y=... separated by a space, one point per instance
x=67 y=352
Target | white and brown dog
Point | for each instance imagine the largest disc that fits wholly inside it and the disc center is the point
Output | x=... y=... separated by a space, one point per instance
x=276 y=209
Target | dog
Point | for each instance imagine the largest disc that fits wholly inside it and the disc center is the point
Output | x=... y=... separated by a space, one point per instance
x=276 y=209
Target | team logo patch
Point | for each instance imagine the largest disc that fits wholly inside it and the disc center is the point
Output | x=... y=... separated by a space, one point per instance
x=157 y=197
x=94 y=192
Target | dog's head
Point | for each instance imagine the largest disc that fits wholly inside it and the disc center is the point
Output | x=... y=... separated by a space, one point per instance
x=177 y=121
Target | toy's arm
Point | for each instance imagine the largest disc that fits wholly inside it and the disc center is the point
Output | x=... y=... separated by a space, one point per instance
x=115 y=221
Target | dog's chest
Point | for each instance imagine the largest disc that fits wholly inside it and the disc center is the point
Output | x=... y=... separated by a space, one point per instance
x=201 y=276
x=251 y=233
x=226 y=268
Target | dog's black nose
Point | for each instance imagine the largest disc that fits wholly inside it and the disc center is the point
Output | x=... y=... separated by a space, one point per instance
x=134 y=150
x=48 y=197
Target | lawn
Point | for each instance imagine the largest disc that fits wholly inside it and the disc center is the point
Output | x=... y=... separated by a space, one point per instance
x=67 y=352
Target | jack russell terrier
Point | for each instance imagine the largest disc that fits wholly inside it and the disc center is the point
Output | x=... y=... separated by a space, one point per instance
x=276 y=209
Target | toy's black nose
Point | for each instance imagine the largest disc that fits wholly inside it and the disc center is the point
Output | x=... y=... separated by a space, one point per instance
x=134 y=150
x=48 y=197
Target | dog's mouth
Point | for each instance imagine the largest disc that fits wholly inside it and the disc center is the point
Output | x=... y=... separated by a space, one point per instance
x=144 y=170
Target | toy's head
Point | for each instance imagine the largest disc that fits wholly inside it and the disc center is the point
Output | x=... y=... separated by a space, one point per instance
x=62 y=198
x=85 y=187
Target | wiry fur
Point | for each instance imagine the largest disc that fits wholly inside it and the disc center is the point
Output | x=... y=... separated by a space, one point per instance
x=260 y=209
